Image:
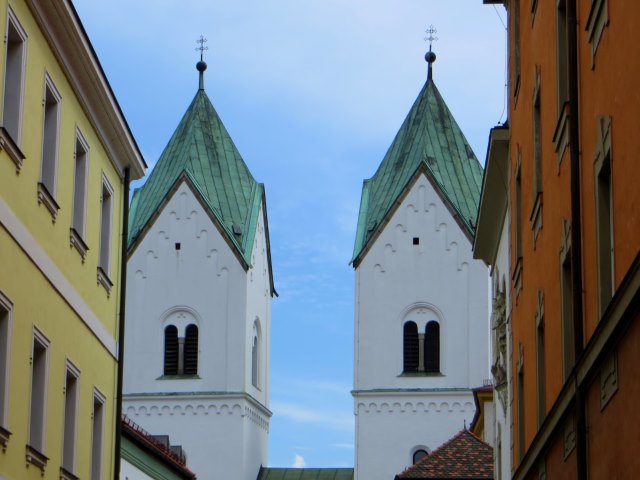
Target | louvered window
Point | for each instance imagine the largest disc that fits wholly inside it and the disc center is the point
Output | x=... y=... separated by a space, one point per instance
x=432 y=348
x=191 y=350
x=171 y=350
x=411 y=347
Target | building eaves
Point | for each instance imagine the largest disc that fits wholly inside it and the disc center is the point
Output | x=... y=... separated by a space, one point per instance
x=70 y=43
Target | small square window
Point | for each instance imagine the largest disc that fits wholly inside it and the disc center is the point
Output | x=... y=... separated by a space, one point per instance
x=416 y=240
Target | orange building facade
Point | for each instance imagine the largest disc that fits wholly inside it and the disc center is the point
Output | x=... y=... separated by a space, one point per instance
x=574 y=206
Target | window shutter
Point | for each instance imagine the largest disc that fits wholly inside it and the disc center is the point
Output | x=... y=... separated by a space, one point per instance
x=191 y=350
x=171 y=350
x=411 y=349
x=432 y=348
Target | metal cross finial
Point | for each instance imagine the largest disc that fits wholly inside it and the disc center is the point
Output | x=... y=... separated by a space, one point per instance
x=431 y=31
x=201 y=48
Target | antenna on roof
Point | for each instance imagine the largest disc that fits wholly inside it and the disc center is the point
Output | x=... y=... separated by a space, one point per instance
x=201 y=66
x=430 y=57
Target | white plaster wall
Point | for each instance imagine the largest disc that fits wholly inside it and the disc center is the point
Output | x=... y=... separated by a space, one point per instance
x=203 y=278
x=130 y=472
x=212 y=430
x=500 y=276
x=397 y=281
x=259 y=308
x=438 y=279
x=390 y=427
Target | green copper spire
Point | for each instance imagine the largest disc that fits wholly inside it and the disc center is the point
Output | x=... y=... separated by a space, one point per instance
x=202 y=153
x=431 y=140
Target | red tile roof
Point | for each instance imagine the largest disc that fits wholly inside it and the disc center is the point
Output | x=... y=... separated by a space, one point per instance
x=464 y=456
x=157 y=448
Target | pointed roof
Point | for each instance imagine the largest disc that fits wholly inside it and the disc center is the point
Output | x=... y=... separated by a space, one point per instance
x=201 y=151
x=429 y=139
x=464 y=456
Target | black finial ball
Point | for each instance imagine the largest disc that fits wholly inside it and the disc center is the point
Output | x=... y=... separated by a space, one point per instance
x=201 y=66
x=430 y=57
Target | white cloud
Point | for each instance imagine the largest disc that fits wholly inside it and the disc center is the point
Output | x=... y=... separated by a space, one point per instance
x=298 y=462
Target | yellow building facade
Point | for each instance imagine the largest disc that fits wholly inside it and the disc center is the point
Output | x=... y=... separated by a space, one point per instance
x=65 y=155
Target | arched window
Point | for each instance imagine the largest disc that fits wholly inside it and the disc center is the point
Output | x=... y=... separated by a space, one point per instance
x=191 y=350
x=254 y=362
x=411 y=347
x=181 y=353
x=432 y=348
x=419 y=455
x=171 y=350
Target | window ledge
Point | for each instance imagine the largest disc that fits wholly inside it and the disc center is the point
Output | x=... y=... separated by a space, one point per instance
x=45 y=197
x=421 y=374
x=67 y=475
x=4 y=438
x=103 y=279
x=76 y=240
x=36 y=458
x=179 y=377
x=9 y=145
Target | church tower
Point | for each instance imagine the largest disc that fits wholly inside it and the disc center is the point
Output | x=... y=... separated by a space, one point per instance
x=199 y=301
x=421 y=328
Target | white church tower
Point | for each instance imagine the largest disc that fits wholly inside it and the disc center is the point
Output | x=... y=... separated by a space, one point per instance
x=421 y=323
x=199 y=301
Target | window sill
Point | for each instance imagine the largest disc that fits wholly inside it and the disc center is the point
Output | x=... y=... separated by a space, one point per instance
x=103 y=279
x=4 y=438
x=421 y=374
x=67 y=475
x=45 y=198
x=76 y=241
x=9 y=145
x=179 y=377
x=37 y=459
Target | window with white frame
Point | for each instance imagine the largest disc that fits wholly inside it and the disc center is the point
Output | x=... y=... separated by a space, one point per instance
x=106 y=200
x=81 y=162
x=604 y=215
x=6 y=308
x=38 y=401
x=97 y=435
x=16 y=49
x=50 y=134
x=70 y=416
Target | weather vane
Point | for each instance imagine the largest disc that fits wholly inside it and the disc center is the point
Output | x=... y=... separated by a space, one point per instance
x=431 y=31
x=201 y=48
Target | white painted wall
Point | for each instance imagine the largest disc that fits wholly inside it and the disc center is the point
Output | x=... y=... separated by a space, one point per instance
x=204 y=283
x=500 y=279
x=397 y=281
x=130 y=472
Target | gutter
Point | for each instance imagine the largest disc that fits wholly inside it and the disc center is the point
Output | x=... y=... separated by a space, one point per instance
x=121 y=315
x=576 y=232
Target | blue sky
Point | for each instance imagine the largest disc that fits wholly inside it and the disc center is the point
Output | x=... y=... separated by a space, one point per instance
x=312 y=92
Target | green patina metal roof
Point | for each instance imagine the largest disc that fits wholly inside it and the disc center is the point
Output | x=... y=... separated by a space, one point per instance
x=202 y=151
x=305 y=474
x=429 y=138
